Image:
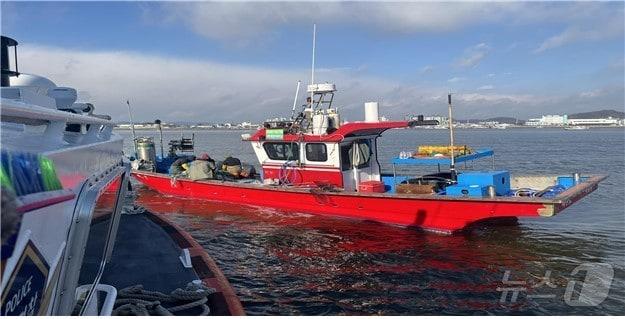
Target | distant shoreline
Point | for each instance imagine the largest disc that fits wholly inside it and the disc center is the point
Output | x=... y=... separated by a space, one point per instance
x=420 y=128
x=186 y=128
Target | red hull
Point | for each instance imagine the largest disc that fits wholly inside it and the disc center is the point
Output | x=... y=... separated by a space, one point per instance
x=436 y=213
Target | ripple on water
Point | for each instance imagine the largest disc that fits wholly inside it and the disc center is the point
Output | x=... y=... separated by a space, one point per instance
x=282 y=263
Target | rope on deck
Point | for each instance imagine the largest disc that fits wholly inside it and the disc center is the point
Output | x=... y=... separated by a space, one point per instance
x=136 y=301
x=132 y=209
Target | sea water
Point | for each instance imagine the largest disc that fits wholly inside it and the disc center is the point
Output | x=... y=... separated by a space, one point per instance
x=288 y=264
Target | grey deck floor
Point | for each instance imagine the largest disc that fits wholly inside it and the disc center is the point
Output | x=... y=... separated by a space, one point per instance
x=143 y=254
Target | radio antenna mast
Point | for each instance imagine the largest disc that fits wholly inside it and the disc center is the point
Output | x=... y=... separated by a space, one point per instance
x=452 y=166
x=312 y=71
x=132 y=126
x=295 y=100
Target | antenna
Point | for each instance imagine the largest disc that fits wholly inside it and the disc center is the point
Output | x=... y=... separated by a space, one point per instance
x=312 y=71
x=452 y=166
x=160 y=130
x=295 y=100
x=132 y=125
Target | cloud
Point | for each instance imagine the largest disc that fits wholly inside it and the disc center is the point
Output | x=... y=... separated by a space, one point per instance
x=426 y=69
x=244 y=23
x=175 y=89
x=486 y=87
x=599 y=28
x=456 y=79
x=501 y=98
x=474 y=55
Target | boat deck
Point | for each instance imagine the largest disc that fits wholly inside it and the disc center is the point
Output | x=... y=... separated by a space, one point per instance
x=147 y=252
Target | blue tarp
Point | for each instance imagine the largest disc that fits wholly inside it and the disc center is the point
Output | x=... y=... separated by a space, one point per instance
x=481 y=153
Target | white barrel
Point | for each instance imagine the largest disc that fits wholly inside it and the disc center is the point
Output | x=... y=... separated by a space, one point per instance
x=320 y=124
x=371 y=112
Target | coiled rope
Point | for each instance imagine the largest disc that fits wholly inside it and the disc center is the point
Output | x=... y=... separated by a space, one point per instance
x=136 y=301
x=132 y=209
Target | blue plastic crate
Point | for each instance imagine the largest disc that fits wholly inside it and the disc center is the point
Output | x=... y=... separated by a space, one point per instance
x=499 y=179
x=389 y=182
x=568 y=181
x=466 y=190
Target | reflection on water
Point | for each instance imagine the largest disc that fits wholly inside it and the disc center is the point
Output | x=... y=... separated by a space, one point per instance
x=283 y=263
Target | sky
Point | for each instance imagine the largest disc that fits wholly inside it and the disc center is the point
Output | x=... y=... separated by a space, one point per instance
x=240 y=61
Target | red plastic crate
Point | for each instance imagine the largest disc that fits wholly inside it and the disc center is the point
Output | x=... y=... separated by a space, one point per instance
x=371 y=187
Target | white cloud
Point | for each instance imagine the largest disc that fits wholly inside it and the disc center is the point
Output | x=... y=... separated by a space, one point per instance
x=595 y=93
x=243 y=23
x=598 y=29
x=474 y=55
x=426 y=69
x=199 y=90
x=501 y=98
x=456 y=79
x=249 y=21
x=486 y=87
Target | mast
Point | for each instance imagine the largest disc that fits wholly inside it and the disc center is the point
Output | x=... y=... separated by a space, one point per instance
x=452 y=166
x=160 y=131
x=295 y=100
x=132 y=125
x=312 y=70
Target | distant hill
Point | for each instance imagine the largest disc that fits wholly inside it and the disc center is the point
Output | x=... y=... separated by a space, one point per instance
x=598 y=114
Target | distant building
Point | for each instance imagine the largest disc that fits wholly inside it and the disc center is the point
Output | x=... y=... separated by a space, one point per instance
x=548 y=120
x=607 y=121
x=442 y=120
x=246 y=125
x=563 y=120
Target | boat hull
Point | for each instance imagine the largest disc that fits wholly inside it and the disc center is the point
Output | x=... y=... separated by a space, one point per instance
x=435 y=213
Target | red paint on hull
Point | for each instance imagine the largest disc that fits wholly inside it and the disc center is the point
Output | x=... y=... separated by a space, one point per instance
x=298 y=176
x=439 y=214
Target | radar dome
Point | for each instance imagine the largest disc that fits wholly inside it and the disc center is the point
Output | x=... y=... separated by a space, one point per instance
x=25 y=79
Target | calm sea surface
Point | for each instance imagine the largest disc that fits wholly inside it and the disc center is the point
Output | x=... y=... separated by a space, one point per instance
x=285 y=263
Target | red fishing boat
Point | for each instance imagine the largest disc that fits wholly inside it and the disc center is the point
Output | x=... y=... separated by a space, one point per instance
x=313 y=163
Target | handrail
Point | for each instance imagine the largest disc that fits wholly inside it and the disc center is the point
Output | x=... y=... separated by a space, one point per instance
x=20 y=112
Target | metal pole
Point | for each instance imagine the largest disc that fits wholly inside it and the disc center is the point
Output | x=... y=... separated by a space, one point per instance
x=312 y=71
x=452 y=167
x=394 y=176
x=295 y=100
x=160 y=131
x=132 y=126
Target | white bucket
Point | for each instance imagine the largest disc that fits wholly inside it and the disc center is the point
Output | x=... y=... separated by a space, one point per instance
x=320 y=124
x=371 y=112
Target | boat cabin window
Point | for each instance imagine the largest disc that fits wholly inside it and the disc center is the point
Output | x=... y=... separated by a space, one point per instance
x=282 y=151
x=356 y=154
x=316 y=152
